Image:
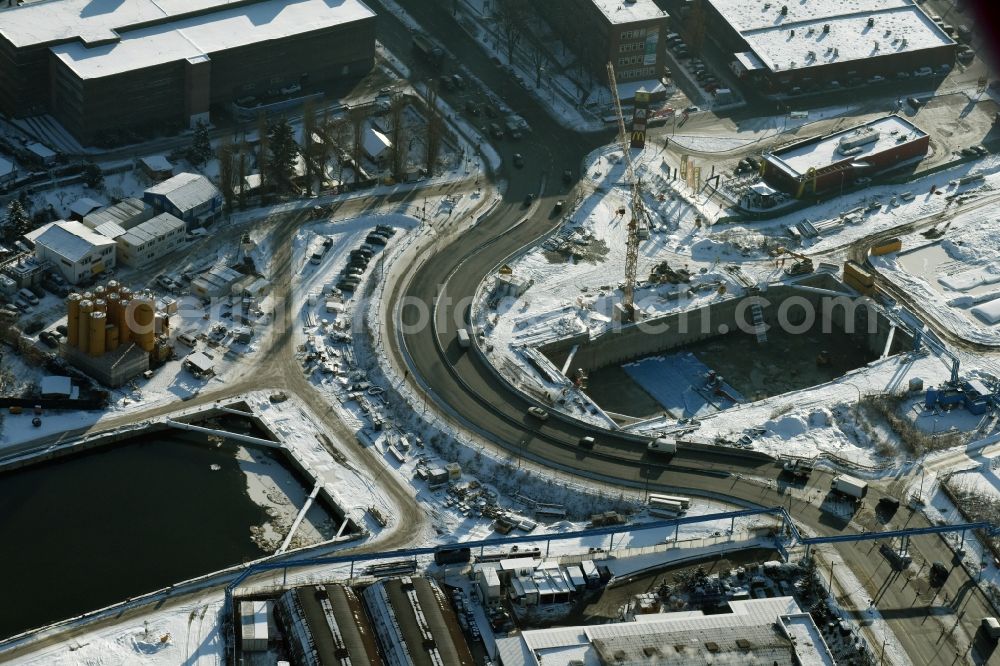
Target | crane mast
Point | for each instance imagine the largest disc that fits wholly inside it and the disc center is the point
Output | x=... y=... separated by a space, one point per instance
x=638 y=210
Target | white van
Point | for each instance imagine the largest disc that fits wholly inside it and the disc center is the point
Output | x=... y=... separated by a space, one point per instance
x=187 y=339
x=662 y=445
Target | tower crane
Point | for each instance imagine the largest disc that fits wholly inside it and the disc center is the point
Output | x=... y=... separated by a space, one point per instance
x=639 y=213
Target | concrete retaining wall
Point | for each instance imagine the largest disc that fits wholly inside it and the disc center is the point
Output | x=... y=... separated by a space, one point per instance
x=680 y=329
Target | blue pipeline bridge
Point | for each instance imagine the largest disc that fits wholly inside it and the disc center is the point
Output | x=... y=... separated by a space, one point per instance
x=786 y=535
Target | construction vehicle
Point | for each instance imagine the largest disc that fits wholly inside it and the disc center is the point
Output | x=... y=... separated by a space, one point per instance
x=802 y=266
x=662 y=273
x=797 y=468
x=640 y=216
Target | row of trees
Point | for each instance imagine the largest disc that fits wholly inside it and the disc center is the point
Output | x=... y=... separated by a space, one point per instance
x=512 y=18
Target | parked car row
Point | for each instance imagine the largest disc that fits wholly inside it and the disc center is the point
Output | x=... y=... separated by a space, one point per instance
x=357 y=263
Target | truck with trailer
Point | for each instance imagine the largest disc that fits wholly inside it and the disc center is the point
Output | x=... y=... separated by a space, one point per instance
x=849 y=486
x=428 y=50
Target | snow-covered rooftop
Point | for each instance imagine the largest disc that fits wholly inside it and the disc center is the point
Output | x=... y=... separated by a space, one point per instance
x=197 y=37
x=623 y=11
x=71 y=240
x=90 y=20
x=705 y=638
x=883 y=133
x=898 y=26
x=186 y=190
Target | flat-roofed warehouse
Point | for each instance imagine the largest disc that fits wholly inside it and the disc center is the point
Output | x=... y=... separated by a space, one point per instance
x=415 y=624
x=822 y=164
x=326 y=624
x=103 y=65
x=807 y=44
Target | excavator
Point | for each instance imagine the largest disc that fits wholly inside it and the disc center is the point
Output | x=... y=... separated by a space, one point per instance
x=802 y=265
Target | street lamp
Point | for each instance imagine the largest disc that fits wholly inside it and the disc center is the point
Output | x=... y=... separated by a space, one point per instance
x=853 y=386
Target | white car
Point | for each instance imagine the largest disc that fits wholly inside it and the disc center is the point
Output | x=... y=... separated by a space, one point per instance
x=538 y=413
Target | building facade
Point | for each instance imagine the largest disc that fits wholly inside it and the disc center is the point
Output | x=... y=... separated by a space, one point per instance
x=630 y=35
x=146 y=65
x=150 y=240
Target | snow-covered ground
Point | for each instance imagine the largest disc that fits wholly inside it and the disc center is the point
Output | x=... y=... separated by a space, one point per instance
x=956 y=277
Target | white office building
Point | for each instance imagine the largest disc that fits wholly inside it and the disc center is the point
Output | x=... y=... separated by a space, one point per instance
x=77 y=251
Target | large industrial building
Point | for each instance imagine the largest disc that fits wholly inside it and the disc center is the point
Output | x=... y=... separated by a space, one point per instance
x=404 y=620
x=630 y=35
x=101 y=67
x=824 y=164
x=810 y=45
x=760 y=631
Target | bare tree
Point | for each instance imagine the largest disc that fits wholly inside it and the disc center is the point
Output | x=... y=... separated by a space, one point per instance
x=357 y=120
x=227 y=175
x=538 y=59
x=435 y=128
x=511 y=18
x=397 y=137
x=263 y=154
x=241 y=174
x=308 y=129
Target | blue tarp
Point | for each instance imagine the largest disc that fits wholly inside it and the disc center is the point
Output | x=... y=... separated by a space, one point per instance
x=679 y=383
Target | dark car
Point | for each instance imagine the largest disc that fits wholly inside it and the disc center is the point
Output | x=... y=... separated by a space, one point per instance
x=528 y=200
x=897 y=561
x=938 y=574
x=375 y=239
x=518 y=160
x=567 y=177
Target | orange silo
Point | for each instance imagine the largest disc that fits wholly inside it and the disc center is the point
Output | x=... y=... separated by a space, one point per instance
x=98 y=321
x=73 y=319
x=124 y=315
x=124 y=292
x=112 y=310
x=100 y=291
x=140 y=320
x=110 y=337
x=101 y=305
x=113 y=287
x=88 y=295
x=83 y=336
